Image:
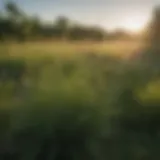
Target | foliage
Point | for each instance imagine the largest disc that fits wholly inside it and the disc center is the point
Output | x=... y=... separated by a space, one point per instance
x=80 y=109
x=22 y=27
x=85 y=107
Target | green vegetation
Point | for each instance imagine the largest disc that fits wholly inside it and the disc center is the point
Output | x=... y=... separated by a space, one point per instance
x=17 y=25
x=65 y=104
x=80 y=106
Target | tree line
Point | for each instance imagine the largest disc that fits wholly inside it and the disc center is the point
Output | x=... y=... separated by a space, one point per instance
x=16 y=24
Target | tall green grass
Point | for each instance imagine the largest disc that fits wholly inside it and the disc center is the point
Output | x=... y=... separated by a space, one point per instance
x=90 y=106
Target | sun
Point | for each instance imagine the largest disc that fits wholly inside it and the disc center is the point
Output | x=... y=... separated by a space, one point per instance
x=134 y=24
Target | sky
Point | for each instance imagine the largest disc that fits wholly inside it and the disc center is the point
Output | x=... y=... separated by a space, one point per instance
x=110 y=14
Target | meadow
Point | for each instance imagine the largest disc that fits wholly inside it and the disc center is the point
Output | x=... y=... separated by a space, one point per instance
x=54 y=48
x=78 y=100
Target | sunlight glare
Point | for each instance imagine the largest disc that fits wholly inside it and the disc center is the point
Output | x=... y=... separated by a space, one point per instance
x=134 y=24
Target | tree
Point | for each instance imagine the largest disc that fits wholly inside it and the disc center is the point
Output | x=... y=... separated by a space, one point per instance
x=18 y=20
x=150 y=55
x=62 y=26
x=36 y=26
x=155 y=29
x=152 y=33
x=13 y=9
x=6 y=29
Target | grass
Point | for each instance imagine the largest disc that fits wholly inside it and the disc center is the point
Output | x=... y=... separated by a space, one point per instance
x=118 y=48
x=78 y=105
x=70 y=66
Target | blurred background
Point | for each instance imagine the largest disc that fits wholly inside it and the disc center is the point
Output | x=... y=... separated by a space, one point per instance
x=79 y=80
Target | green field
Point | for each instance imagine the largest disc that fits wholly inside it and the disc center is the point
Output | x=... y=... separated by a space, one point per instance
x=75 y=54
x=71 y=91
x=84 y=104
x=119 y=48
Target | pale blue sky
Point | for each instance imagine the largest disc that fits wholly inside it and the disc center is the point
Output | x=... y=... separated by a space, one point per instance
x=130 y=14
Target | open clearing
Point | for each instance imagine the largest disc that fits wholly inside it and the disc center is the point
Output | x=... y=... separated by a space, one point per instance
x=65 y=49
